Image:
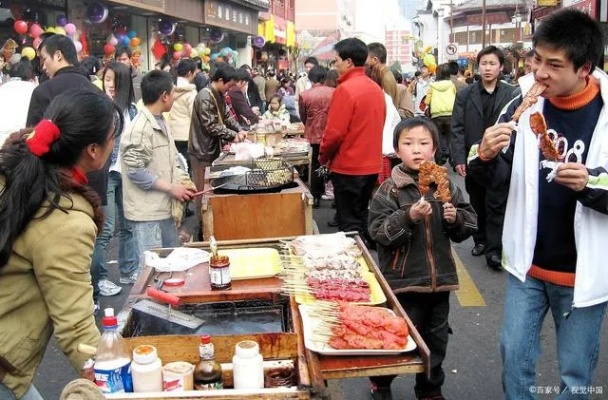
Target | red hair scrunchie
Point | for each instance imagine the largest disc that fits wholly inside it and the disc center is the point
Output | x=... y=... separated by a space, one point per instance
x=45 y=133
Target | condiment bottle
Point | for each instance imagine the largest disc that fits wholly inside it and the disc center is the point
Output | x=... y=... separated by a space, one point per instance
x=208 y=372
x=113 y=361
x=146 y=370
x=177 y=376
x=219 y=269
x=248 y=366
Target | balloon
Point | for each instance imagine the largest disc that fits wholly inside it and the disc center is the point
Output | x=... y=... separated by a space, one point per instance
x=135 y=42
x=259 y=41
x=428 y=49
x=207 y=51
x=36 y=30
x=50 y=29
x=125 y=40
x=216 y=35
x=70 y=29
x=178 y=47
x=187 y=48
x=59 y=30
x=131 y=34
x=78 y=46
x=62 y=20
x=200 y=47
x=432 y=68
x=206 y=59
x=112 y=40
x=193 y=53
x=28 y=52
x=121 y=30
x=166 y=27
x=158 y=49
x=97 y=12
x=428 y=59
x=108 y=49
x=36 y=42
x=20 y=27
x=177 y=55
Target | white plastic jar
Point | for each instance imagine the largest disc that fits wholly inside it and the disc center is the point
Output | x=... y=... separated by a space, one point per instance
x=248 y=366
x=146 y=370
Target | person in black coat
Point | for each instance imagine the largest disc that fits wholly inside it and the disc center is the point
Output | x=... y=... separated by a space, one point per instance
x=58 y=57
x=476 y=108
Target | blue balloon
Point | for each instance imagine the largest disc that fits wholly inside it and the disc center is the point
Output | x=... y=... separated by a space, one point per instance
x=131 y=34
x=125 y=40
x=62 y=20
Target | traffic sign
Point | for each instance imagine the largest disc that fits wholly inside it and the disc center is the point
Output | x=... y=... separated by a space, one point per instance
x=451 y=51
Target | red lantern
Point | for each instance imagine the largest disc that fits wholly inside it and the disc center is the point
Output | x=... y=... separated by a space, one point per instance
x=20 y=27
x=108 y=49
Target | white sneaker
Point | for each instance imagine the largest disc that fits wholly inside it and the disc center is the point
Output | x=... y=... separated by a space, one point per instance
x=128 y=280
x=327 y=196
x=108 y=288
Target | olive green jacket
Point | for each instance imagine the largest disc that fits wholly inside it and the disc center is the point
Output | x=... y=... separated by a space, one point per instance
x=46 y=287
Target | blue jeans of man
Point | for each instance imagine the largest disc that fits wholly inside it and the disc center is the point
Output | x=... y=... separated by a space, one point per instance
x=154 y=235
x=577 y=332
x=114 y=215
x=31 y=394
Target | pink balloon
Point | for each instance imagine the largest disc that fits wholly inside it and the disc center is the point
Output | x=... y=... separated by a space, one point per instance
x=187 y=48
x=113 y=40
x=78 y=46
x=177 y=55
x=70 y=29
x=36 y=30
x=36 y=42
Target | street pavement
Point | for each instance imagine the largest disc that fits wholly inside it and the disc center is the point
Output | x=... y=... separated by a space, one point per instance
x=472 y=365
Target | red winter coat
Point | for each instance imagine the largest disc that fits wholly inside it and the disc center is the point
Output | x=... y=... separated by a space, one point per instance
x=314 y=106
x=352 y=141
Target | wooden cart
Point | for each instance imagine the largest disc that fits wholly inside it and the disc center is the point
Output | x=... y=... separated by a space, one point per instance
x=313 y=370
x=256 y=215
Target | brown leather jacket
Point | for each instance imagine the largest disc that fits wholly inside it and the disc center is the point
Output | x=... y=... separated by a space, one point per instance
x=211 y=124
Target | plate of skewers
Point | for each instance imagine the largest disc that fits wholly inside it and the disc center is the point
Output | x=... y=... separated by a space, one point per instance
x=353 y=330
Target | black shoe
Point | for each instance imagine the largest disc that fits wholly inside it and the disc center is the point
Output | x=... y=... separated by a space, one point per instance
x=333 y=204
x=478 y=249
x=494 y=262
x=333 y=223
x=316 y=203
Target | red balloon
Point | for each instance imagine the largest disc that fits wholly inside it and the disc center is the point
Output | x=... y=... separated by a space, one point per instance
x=20 y=27
x=108 y=49
x=159 y=49
x=177 y=55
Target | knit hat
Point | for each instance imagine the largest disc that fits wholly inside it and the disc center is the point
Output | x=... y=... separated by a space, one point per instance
x=81 y=389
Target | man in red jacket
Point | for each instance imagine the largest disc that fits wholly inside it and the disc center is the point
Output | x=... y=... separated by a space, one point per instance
x=352 y=142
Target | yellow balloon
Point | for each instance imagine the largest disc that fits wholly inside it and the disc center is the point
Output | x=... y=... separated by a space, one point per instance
x=428 y=59
x=428 y=49
x=178 y=47
x=50 y=29
x=59 y=30
x=28 y=52
x=193 y=53
x=207 y=51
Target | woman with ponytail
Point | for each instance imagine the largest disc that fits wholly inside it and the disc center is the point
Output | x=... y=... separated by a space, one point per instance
x=49 y=218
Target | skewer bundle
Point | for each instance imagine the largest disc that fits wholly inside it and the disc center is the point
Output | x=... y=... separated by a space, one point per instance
x=346 y=326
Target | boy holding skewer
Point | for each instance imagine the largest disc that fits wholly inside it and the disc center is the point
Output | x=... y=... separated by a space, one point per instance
x=413 y=234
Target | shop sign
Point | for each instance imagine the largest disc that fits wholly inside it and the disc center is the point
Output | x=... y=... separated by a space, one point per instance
x=546 y=3
x=587 y=6
x=229 y=16
x=150 y=5
x=491 y=18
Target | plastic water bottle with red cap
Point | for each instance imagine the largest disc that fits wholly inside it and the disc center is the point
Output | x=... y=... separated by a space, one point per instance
x=113 y=360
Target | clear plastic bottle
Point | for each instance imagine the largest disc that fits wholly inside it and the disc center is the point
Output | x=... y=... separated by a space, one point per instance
x=113 y=360
x=208 y=372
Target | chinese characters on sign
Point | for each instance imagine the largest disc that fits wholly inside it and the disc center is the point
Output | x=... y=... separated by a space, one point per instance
x=230 y=17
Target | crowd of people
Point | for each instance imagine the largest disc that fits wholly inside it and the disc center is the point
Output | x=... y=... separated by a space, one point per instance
x=93 y=148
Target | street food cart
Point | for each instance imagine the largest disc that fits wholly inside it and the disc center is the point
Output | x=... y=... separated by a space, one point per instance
x=255 y=296
x=252 y=212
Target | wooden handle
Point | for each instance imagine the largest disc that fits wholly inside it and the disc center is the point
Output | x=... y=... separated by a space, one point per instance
x=87 y=349
x=162 y=296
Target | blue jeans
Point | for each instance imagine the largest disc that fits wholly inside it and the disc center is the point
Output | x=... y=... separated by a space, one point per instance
x=31 y=394
x=154 y=234
x=114 y=214
x=578 y=336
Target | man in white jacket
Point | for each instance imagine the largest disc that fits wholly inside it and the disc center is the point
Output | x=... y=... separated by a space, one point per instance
x=556 y=220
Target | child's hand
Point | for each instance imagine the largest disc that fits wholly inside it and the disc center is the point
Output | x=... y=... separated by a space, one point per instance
x=420 y=209
x=449 y=213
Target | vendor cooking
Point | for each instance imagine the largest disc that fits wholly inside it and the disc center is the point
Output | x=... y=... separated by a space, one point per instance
x=211 y=124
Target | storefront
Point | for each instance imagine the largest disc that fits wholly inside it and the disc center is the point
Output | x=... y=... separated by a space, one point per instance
x=277 y=39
